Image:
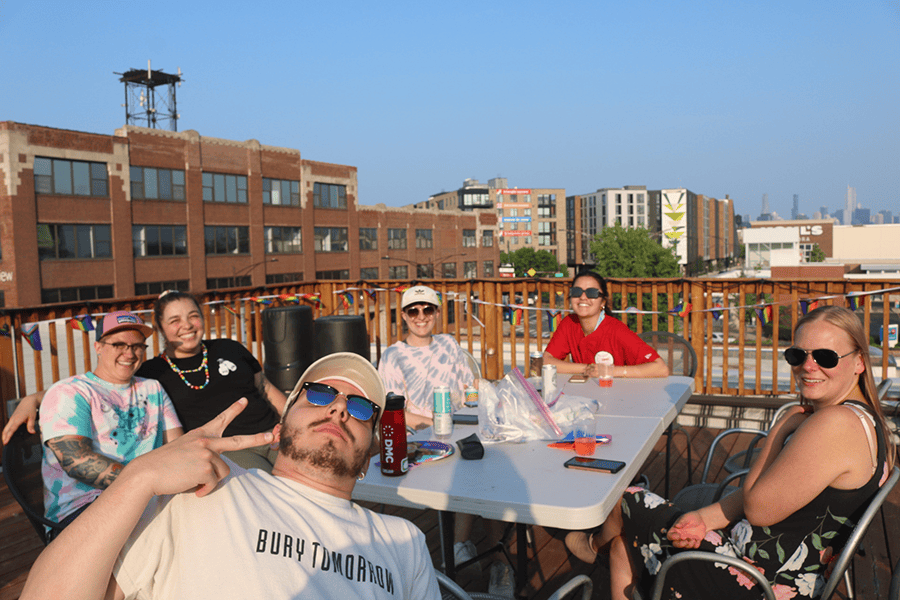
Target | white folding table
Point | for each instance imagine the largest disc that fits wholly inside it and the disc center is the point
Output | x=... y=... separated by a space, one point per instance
x=527 y=483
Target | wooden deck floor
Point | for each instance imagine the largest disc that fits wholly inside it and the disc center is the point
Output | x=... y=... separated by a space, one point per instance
x=550 y=565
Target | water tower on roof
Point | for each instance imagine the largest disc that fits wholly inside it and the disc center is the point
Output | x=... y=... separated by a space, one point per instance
x=150 y=98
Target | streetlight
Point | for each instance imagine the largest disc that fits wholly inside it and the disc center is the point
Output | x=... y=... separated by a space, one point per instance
x=235 y=274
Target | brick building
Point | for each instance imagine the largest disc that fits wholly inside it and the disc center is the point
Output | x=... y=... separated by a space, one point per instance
x=86 y=216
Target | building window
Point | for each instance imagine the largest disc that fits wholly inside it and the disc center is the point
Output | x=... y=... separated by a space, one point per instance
x=283 y=240
x=338 y=274
x=331 y=239
x=368 y=238
x=468 y=238
x=470 y=269
x=400 y=272
x=424 y=238
x=158 y=287
x=281 y=192
x=70 y=177
x=368 y=273
x=226 y=240
x=224 y=188
x=218 y=283
x=396 y=239
x=546 y=234
x=425 y=271
x=284 y=277
x=487 y=238
x=488 y=268
x=159 y=240
x=73 y=241
x=328 y=195
x=93 y=292
x=448 y=270
x=149 y=183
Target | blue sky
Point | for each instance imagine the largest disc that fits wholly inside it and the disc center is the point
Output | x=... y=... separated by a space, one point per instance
x=739 y=98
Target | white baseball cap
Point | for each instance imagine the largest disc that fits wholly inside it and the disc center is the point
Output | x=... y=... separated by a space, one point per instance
x=417 y=294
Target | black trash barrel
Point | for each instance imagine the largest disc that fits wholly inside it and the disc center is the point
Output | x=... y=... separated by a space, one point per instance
x=288 y=332
x=341 y=333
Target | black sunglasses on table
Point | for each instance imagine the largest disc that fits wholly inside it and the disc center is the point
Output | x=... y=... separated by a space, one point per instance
x=592 y=293
x=359 y=407
x=825 y=358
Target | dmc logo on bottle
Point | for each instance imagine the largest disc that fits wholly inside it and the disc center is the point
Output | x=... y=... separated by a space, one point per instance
x=388 y=450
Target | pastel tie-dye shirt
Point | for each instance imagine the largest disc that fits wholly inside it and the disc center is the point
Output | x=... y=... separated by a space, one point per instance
x=414 y=372
x=122 y=421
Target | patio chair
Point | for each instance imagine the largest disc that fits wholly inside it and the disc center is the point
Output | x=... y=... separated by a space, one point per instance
x=681 y=360
x=882 y=389
x=840 y=565
x=704 y=493
x=741 y=460
x=451 y=591
x=22 y=472
x=473 y=364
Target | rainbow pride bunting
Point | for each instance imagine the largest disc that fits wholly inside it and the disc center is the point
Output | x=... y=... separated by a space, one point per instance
x=681 y=310
x=554 y=318
x=516 y=317
x=82 y=323
x=717 y=314
x=258 y=300
x=806 y=306
x=231 y=310
x=314 y=298
x=854 y=301
x=347 y=299
x=401 y=288
x=289 y=298
x=764 y=313
x=32 y=335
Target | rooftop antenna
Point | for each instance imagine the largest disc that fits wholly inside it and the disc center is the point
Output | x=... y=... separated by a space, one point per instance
x=143 y=105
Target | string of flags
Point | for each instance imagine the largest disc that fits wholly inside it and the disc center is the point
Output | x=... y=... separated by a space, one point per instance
x=514 y=313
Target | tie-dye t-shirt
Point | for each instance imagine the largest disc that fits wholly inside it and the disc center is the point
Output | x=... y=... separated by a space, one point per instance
x=122 y=421
x=414 y=372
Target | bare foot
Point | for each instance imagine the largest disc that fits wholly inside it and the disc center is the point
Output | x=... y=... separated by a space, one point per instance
x=579 y=544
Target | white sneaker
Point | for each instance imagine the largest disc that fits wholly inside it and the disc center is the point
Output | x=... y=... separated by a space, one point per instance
x=502 y=582
x=463 y=551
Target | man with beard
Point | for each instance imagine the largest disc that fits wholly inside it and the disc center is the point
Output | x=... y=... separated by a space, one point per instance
x=247 y=533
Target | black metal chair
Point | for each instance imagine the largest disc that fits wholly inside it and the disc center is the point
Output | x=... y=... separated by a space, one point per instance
x=840 y=565
x=682 y=360
x=22 y=472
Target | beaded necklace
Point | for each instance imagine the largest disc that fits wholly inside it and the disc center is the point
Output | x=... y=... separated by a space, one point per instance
x=204 y=366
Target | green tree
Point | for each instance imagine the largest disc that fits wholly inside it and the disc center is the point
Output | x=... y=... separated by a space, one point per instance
x=541 y=261
x=622 y=252
x=816 y=254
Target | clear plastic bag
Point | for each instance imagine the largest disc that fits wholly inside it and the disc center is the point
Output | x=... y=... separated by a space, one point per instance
x=507 y=413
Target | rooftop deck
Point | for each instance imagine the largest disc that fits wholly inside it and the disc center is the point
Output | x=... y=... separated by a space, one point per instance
x=550 y=564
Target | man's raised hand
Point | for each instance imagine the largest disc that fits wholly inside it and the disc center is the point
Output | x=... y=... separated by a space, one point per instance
x=192 y=462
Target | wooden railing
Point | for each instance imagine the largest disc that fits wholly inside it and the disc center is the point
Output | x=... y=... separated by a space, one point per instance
x=741 y=359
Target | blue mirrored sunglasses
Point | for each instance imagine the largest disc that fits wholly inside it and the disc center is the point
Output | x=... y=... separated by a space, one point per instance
x=359 y=407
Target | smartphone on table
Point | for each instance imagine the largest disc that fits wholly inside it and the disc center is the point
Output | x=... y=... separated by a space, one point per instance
x=594 y=464
x=578 y=379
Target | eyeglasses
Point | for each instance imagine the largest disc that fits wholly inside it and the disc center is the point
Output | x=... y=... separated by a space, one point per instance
x=121 y=346
x=413 y=311
x=359 y=407
x=825 y=358
x=576 y=292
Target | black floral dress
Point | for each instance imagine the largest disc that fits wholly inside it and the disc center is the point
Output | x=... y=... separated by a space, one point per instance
x=793 y=555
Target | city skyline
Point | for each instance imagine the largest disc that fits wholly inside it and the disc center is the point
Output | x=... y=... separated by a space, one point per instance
x=777 y=98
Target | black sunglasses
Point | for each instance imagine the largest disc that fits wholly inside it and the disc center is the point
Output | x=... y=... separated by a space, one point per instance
x=576 y=292
x=413 y=311
x=825 y=358
x=359 y=407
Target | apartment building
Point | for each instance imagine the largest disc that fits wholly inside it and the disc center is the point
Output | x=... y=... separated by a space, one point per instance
x=86 y=216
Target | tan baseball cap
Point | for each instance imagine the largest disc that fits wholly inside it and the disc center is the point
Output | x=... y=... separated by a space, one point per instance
x=417 y=294
x=345 y=366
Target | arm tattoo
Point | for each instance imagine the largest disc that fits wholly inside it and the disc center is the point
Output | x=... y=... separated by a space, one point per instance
x=80 y=462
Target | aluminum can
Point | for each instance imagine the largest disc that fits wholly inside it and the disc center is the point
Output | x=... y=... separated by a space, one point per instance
x=443 y=412
x=548 y=373
x=471 y=396
x=537 y=363
x=394 y=459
